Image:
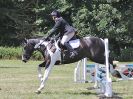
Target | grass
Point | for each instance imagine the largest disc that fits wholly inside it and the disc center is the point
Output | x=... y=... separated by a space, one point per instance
x=19 y=81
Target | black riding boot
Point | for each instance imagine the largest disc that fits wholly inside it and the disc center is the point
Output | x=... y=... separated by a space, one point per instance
x=69 y=48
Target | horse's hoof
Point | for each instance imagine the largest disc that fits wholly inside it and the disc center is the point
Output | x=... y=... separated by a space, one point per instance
x=37 y=92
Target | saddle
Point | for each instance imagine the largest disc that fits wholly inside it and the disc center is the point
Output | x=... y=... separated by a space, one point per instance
x=74 y=42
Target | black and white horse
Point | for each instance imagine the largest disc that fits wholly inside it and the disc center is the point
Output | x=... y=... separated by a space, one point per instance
x=90 y=47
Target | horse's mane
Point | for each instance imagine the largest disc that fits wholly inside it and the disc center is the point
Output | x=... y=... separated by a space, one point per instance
x=33 y=41
x=36 y=37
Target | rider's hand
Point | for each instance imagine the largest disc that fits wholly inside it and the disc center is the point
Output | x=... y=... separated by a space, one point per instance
x=47 y=38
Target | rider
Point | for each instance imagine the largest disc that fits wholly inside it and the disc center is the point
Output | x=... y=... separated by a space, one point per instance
x=66 y=32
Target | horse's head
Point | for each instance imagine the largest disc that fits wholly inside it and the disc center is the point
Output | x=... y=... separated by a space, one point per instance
x=28 y=49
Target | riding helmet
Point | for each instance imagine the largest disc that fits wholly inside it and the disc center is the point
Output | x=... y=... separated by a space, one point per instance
x=55 y=13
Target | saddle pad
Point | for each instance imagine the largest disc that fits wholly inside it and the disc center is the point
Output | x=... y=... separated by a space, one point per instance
x=74 y=43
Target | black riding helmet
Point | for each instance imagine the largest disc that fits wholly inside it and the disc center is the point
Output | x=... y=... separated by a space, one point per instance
x=55 y=13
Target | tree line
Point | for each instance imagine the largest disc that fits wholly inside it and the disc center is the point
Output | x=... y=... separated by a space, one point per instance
x=111 y=19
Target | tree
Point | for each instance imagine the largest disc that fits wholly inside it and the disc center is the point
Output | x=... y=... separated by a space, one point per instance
x=17 y=19
x=111 y=19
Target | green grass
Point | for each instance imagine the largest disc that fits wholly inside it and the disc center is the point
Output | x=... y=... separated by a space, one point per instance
x=19 y=81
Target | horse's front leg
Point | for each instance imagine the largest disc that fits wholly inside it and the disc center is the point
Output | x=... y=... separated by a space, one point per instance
x=49 y=64
x=40 y=76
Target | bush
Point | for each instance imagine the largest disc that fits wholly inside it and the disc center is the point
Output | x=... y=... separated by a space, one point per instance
x=126 y=55
x=37 y=56
x=15 y=53
x=10 y=53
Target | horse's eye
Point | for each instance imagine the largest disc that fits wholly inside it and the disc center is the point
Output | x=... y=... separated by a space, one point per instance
x=24 y=47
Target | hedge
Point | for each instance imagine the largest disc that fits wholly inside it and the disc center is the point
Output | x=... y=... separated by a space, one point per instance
x=16 y=53
x=126 y=55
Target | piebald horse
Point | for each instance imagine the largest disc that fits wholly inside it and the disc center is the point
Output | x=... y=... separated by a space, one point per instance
x=90 y=47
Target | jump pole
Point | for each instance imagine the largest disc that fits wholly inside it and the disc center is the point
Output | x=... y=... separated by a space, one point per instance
x=108 y=82
x=77 y=75
x=80 y=72
x=84 y=70
x=108 y=87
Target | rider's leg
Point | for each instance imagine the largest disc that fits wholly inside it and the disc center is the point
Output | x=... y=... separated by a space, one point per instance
x=65 y=40
x=68 y=46
x=66 y=37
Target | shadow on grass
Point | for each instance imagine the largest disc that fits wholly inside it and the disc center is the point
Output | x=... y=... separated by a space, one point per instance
x=113 y=97
x=9 y=67
x=101 y=96
x=72 y=93
x=81 y=93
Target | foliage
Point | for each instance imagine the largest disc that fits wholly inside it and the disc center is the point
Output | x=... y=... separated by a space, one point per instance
x=111 y=19
x=126 y=54
x=16 y=53
x=10 y=53
x=17 y=18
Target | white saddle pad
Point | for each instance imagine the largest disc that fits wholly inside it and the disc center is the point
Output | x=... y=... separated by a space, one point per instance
x=74 y=43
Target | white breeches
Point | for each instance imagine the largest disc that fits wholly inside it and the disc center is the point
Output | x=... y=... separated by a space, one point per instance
x=67 y=37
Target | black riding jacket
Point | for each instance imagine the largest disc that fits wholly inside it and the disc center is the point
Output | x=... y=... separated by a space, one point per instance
x=62 y=27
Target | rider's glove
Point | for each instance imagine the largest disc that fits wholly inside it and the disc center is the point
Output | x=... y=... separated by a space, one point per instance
x=38 y=44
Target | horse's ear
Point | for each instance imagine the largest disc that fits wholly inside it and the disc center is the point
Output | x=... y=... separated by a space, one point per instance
x=25 y=40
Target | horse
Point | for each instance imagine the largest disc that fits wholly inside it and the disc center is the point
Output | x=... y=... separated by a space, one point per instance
x=90 y=47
